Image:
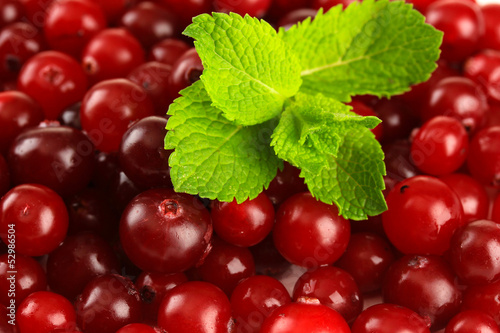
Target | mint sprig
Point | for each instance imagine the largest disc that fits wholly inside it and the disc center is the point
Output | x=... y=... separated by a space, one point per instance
x=265 y=97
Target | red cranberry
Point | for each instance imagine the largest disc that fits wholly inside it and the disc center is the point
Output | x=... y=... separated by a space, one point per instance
x=285 y=184
x=472 y=321
x=4 y=176
x=255 y=8
x=364 y=110
x=185 y=71
x=114 y=9
x=168 y=51
x=491 y=37
x=397 y=119
x=136 y=328
x=484 y=156
x=10 y=11
x=483 y=298
x=185 y=10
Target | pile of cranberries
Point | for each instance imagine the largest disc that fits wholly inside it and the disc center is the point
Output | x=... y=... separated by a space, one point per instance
x=95 y=240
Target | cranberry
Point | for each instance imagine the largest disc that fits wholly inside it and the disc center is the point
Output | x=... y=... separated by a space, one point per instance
x=279 y=8
x=6 y=317
x=327 y=4
x=4 y=176
x=483 y=298
x=256 y=8
x=10 y=11
x=185 y=71
x=491 y=37
x=185 y=10
x=397 y=119
x=168 y=51
x=136 y=328
x=398 y=162
x=364 y=110
x=296 y=16
x=285 y=184
x=114 y=9
x=472 y=321
x=35 y=10
x=483 y=68
x=484 y=156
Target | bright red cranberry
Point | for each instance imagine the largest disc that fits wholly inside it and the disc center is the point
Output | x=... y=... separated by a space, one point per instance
x=45 y=312
x=137 y=328
x=185 y=71
x=389 y=318
x=149 y=23
x=185 y=10
x=154 y=76
x=397 y=119
x=255 y=8
x=153 y=287
x=484 y=69
x=491 y=37
x=285 y=184
x=77 y=261
x=173 y=238
x=474 y=198
x=7 y=319
x=472 y=321
x=226 y=265
x=114 y=9
x=168 y=51
x=10 y=11
x=398 y=162
x=440 y=146
x=495 y=211
x=59 y=157
x=244 y=224
x=367 y=258
x=109 y=107
x=426 y=206
x=334 y=288
x=426 y=285
x=108 y=303
x=28 y=278
x=296 y=16
x=484 y=156
x=309 y=232
x=4 y=176
x=195 y=307
x=112 y=53
x=254 y=299
x=483 y=298
x=305 y=317
x=49 y=74
x=35 y=11
x=17 y=112
x=364 y=110
x=327 y=4
x=37 y=217
x=462 y=24
x=18 y=42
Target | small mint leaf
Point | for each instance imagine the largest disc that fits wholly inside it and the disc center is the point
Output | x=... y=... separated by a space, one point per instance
x=248 y=70
x=214 y=157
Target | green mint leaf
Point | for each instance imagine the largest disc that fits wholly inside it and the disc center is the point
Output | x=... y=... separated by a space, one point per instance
x=353 y=179
x=214 y=157
x=249 y=71
x=312 y=126
x=374 y=47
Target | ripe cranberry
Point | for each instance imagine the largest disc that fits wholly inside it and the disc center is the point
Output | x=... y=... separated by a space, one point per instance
x=305 y=317
x=462 y=24
x=195 y=307
x=244 y=224
x=285 y=184
x=112 y=53
x=18 y=42
x=49 y=74
x=440 y=146
x=295 y=17
x=483 y=298
x=484 y=156
x=495 y=212
x=389 y=318
x=397 y=119
x=149 y=23
x=108 y=303
x=45 y=312
x=255 y=8
x=398 y=162
x=254 y=299
x=185 y=71
x=472 y=321
x=426 y=206
x=309 y=232
x=279 y=8
x=136 y=328
x=491 y=37
x=367 y=258
x=29 y=278
x=70 y=24
x=173 y=238
x=6 y=316
x=364 y=110
x=4 y=176
x=59 y=157
x=152 y=288
x=432 y=280
x=10 y=11
x=168 y=51
x=35 y=11
x=484 y=68
x=114 y=9
x=334 y=288
x=327 y=4
x=37 y=217
x=268 y=260
x=185 y=10
x=109 y=107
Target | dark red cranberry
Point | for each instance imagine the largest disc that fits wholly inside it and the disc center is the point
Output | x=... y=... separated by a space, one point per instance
x=483 y=298
x=495 y=211
x=397 y=119
x=491 y=37
x=255 y=8
x=4 y=176
x=195 y=307
x=137 y=328
x=114 y=9
x=398 y=162
x=285 y=184
x=185 y=10
x=295 y=17
x=168 y=51
x=6 y=317
x=268 y=260
x=484 y=156
x=10 y=11
x=185 y=71
x=279 y=8
x=364 y=110
x=173 y=238
x=327 y=4
x=35 y=11
x=71 y=116
x=472 y=321
x=108 y=303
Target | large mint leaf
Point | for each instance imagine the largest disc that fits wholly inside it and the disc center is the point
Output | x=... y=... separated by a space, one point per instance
x=374 y=47
x=214 y=157
x=248 y=70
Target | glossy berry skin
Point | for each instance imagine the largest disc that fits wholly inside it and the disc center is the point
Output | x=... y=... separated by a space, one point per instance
x=70 y=24
x=304 y=317
x=185 y=71
x=472 y=321
x=109 y=107
x=483 y=68
x=397 y=119
x=112 y=53
x=143 y=141
x=45 y=312
x=254 y=299
x=389 y=318
x=77 y=261
x=244 y=224
x=462 y=24
x=483 y=298
x=366 y=259
x=17 y=112
x=167 y=51
x=475 y=252
x=108 y=303
x=59 y=157
x=334 y=288
x=136 y=328
x=4 y=176
x=39 y=217
x=195 y=307
x=114 y=9
x=310 y=233
x=484 y=156
x=398 y=162
x=49 y=74
x=10 y=11
x=295 y=17
x=422 y=216
x=173 y=238
x=285 y=184
x=429 y=277
x=491 y=37
x=29 y=278
x=254 y=8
